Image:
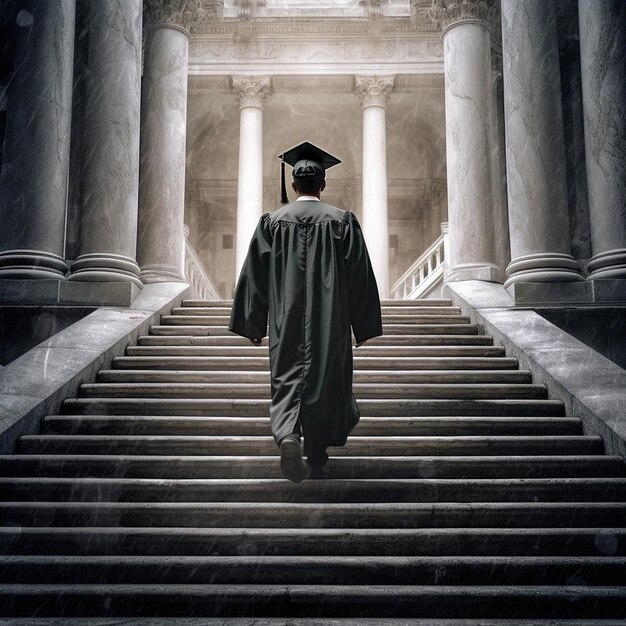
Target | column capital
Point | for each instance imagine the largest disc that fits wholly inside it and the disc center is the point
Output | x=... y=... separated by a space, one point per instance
x=178 y=14
x=453 y=12
x=251 y=91
x=373 y=90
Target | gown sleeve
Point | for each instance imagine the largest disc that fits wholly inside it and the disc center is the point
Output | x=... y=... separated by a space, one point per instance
x=250 y=304
x=365 y=315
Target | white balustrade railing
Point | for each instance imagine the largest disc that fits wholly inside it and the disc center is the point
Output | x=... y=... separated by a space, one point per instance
x=426 y=273
x=195 y=274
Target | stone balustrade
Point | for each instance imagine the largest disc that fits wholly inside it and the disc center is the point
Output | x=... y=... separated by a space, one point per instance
x=426 y=272
x=203 y=288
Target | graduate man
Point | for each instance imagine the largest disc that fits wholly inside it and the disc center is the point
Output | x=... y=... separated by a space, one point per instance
x=308 y=268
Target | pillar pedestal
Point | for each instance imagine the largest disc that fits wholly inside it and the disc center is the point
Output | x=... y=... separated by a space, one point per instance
x=33 y=186
x=251 y=93
x=374 y=92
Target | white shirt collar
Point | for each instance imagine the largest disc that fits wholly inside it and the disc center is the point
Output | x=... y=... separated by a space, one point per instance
x=303 y=198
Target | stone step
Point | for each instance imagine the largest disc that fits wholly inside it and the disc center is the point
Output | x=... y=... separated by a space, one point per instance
x=311 y=570
x=323 y=601
x=356 y=446
x=224 y=466
x=260 y=408
x=244 y=363
x=364 y=351
x=311 y=515
x=385 y=302
x=391 y=340
x=212 y=303
x=263 y=391
x=360 y=376
x=342 y=621
x=372 y=426
x=512 y=542
x=321 y=491
x=444 y=328
x=385 y=310
x=399 y=320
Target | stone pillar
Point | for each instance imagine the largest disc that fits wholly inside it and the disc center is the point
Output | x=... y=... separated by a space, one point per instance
x=469 y=139
x=250 y=93
x=602 y=54
x=110 y=171
x=163 y=139
x=374 y=92
x=535 y=149
x=35 y=164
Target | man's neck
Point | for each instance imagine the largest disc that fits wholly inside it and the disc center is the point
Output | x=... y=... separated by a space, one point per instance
x=302 y=197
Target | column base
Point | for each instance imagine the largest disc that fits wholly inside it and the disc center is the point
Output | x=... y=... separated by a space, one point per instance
x=488 y=272
x=544 y=267
x=579 y=293
x=67 y=292
x=609 y=264
x=32 y=264
x=102 y=267
x=161 y=274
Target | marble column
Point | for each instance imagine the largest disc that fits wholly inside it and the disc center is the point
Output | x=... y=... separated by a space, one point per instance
x=603 y=64
x=374 y=92
x=163 y=139
x=470 y=140
x=35 y=164
x=110 y=170
x=250 y=92
x=535 y=149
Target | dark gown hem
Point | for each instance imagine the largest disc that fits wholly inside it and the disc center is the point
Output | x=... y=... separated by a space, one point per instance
x=369 y=336
x=246 y=333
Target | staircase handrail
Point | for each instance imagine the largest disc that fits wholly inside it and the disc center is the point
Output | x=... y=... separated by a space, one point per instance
x=196 y=274
x=425 y=270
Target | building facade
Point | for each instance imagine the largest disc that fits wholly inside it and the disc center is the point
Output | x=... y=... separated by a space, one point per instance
x=122 y=123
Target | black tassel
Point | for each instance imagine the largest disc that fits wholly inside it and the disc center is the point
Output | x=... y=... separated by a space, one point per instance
x=283 y=186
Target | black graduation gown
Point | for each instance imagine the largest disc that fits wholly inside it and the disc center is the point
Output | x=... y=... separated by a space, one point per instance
x=308 y=267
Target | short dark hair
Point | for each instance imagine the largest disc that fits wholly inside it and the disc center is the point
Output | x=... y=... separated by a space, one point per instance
x=309 y=184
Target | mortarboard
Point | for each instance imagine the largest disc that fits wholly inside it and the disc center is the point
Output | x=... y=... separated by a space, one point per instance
x=306 y=160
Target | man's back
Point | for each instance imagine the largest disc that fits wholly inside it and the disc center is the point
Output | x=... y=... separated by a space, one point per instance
x=308 y=270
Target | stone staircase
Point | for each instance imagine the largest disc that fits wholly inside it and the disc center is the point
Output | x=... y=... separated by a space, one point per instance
x=464 y=492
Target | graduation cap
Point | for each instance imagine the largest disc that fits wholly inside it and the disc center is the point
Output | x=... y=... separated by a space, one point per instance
x=306 y=160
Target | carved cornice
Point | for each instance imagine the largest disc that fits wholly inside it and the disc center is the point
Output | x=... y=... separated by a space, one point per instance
x=373 y=90
x=251 y=91
x=309 y=26
x=181 y=14
x=453 y=12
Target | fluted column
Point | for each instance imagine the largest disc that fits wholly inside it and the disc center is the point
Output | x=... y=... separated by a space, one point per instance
x=33 y=186
x=110 y=171
x=251 y=93
x=163 y=139
x=470 y=139
x=374 y=92
x=535 y=149
x=603 y=56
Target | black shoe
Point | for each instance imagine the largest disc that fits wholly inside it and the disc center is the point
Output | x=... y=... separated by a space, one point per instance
x=291 y=464
x=318 y=472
